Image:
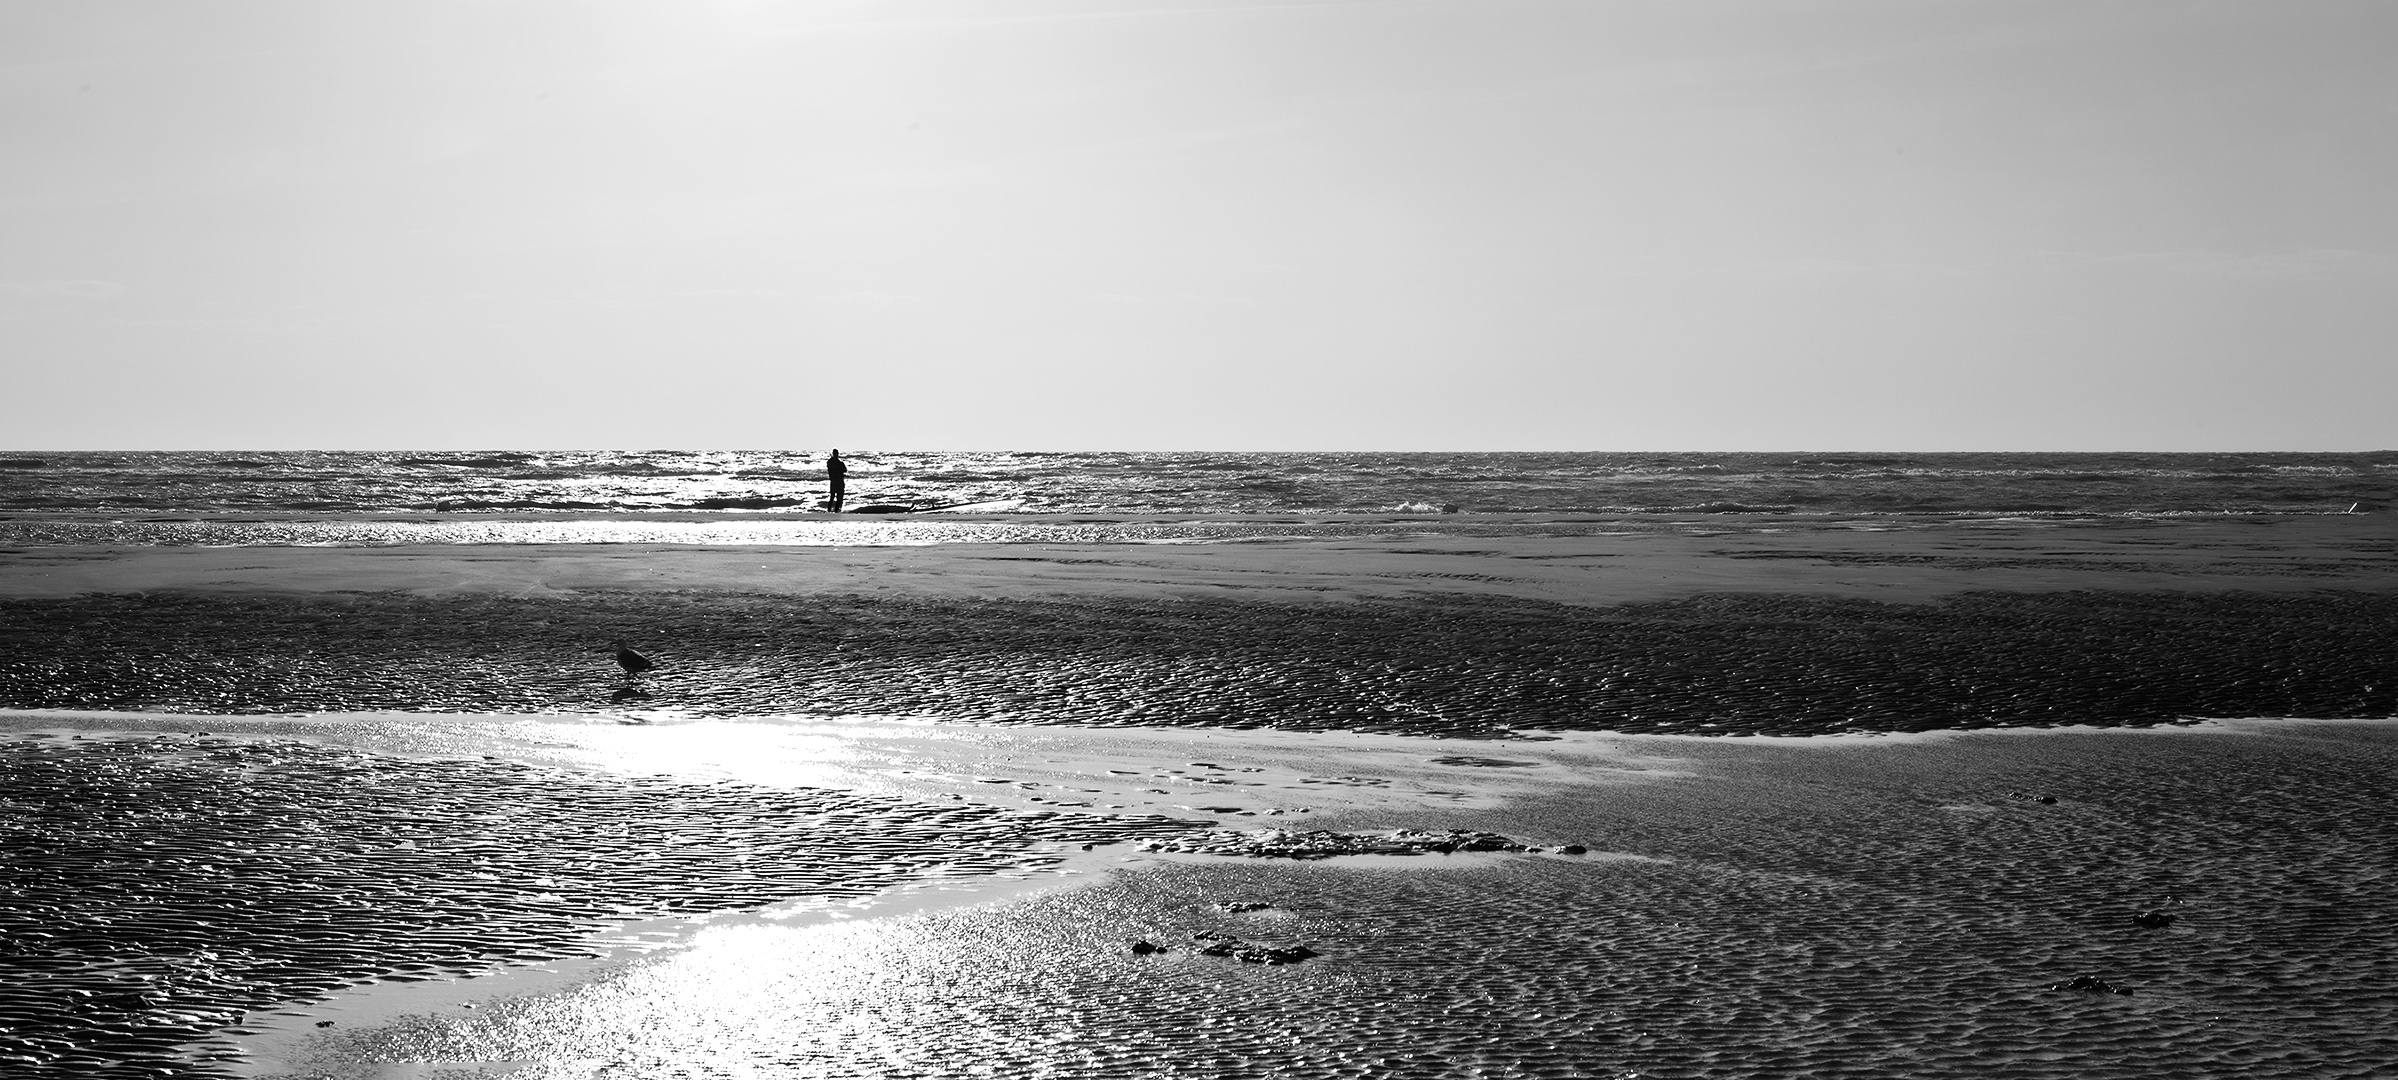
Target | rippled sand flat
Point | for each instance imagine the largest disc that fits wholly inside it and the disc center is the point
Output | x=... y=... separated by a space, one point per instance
x=1725 y=663
x=1863 y=908
x=1581 y=559
x=160 y=886
x=1748 y=624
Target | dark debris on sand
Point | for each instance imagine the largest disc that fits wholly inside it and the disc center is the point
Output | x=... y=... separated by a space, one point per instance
x=1325 y=844
x=1725 y=664
x=156 y=889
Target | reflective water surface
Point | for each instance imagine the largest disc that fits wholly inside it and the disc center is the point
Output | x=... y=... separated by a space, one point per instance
x=793 y=482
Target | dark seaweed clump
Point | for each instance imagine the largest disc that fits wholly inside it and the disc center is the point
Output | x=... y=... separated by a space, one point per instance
x=1726 y=664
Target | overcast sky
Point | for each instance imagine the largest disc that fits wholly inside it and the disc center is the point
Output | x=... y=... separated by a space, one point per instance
x=1204 y=224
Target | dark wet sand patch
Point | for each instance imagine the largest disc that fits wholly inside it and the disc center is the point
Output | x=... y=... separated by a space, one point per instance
x=157 y=888
x=2066 y=561
x=1717 y=664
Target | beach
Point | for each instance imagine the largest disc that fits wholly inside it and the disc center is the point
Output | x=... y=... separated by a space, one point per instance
x=1726 y=623
x=1219 y=540
x=1731 y=795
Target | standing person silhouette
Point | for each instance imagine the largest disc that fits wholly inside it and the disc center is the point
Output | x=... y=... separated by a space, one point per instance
x=835 y=470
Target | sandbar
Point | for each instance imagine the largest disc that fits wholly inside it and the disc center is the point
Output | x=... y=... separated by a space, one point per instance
x=1900 y=559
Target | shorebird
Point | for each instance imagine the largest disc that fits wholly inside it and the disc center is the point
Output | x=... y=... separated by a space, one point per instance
x=632 y=662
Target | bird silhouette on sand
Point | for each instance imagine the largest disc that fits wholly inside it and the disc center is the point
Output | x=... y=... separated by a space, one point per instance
x=633 y=664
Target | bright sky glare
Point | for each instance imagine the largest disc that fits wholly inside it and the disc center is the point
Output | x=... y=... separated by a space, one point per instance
x=1202 y=224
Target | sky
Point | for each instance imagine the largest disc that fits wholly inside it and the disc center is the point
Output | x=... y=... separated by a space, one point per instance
x=1200 y=224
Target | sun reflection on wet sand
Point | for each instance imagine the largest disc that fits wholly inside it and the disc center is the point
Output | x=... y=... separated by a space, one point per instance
x=1850 y=906
x=663 y=989
x=1232 y=774
x=697 y=980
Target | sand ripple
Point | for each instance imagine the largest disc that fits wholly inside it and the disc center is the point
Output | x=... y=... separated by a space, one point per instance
x=1857 y=913
x=1729 y=664
x=157 y=888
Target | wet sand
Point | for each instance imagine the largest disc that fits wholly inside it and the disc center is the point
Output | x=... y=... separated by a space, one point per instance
x=1746 y=626
x=760 y=898
x=1567 y=560
x=1831 y=905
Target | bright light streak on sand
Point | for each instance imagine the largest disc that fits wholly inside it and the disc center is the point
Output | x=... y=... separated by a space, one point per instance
x=730 y=980
x=1178 y=772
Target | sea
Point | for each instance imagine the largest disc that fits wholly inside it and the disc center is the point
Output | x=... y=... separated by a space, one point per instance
x=785 y=482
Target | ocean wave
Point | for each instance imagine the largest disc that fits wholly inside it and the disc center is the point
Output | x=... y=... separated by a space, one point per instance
x=816 y=475
x=476 y=505
x=488 y=461
x=748 y=503
x=1155 y=482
